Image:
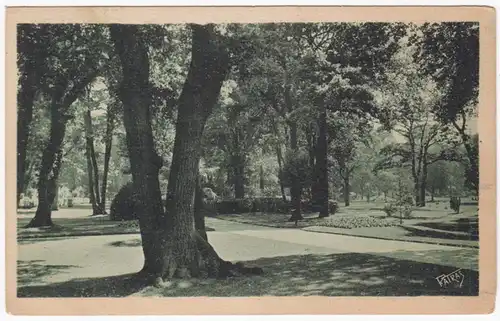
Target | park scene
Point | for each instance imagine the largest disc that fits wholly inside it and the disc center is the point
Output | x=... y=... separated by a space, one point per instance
x=277 y=159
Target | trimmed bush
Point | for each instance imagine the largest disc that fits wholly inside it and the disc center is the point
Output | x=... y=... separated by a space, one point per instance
x=123 y=205
x=350 y=222
x=247 y=205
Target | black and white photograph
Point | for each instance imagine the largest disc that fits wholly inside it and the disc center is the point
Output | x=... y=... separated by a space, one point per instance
x=333 y=159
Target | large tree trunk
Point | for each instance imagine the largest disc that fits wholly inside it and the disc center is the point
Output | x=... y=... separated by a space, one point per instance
x=208 y=69
x=171 y=245
x=144 y=162
x=199 y=211
x=110 y=120
x=49 y=170
x=322 y=165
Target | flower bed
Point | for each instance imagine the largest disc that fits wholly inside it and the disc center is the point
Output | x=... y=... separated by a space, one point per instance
x=350 y=222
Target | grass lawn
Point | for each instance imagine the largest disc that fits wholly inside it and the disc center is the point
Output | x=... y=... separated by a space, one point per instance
x=367 y=219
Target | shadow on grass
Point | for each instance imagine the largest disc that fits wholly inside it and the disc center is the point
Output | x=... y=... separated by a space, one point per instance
x=345 y=274
x=34 y=270
x=33 y=240
x=127 y=243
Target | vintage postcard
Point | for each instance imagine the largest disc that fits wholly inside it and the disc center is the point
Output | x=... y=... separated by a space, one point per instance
x=250 y=160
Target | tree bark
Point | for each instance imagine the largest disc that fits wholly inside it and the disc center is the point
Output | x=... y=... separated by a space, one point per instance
x=110 y=121
x=199 y=211
x=280 y=172
x=62 y=99
x=92 y=169
x=295 y=190
x=144 y=162
x=208 y=69
x=171 y=245
x=49 y=170
x=322 y=164
x=346 y=191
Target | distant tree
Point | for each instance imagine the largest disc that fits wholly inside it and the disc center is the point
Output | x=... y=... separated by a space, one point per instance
x=408 y=99
x=450 y=54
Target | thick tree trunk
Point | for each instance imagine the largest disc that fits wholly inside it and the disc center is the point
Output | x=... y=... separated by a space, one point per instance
x=49 y=170
x=322 y=165
x=347 y=200
x=432 y=192
x=209 y=67
x=171 y=245
x=107 y=155
x=144 y=162
x=199 y=211
x=423 y=183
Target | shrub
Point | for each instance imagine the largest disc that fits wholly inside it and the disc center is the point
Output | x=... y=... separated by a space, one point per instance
x=390 y=209
x=123 y=205
x=248 y=205
x=26 y=202
x=406 y=210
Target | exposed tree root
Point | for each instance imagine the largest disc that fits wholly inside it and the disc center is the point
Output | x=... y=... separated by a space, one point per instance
x=204 y=262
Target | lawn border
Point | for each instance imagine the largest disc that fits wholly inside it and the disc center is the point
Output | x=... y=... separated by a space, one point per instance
x=310 y=229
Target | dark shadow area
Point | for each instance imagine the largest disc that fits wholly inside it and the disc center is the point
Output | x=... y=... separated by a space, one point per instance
x=467 y=225
x=345 y=274
x=33 y=240
x=127 y=243
x=34 y=270
x=113 y=286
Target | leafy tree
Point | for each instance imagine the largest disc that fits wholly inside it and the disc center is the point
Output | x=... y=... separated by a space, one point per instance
x=450 y=54
x=409 y=99
x=32 y=41
x=170 y=243
x=71 y=70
